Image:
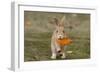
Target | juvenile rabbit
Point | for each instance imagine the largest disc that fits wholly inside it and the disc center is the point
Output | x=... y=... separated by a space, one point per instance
x=58 y=33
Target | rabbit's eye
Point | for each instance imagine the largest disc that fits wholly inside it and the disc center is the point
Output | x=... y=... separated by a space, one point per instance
x=57 y=31
x=63 y=31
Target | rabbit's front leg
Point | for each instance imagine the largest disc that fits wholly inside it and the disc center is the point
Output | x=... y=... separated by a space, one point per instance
x=53 y=50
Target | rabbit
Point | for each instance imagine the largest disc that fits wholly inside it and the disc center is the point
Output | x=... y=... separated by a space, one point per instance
x=58 y=33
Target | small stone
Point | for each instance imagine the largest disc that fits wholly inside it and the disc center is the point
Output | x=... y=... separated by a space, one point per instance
x=69 y=51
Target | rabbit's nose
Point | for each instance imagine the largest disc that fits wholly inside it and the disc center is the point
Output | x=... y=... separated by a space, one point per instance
x=60 y=36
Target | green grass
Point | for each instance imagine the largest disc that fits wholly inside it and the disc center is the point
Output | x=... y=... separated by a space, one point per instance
x=37 y=48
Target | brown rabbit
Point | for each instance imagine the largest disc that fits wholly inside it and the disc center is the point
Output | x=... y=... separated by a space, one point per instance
x=58 y=33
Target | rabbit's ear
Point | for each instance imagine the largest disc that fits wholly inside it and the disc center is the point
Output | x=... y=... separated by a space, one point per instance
x=56 y=21
x=62 y=21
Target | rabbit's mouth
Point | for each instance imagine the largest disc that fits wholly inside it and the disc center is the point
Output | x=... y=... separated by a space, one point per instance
x=60 y=37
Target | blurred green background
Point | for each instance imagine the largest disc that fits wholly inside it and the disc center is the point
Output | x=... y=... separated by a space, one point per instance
x=38 y=29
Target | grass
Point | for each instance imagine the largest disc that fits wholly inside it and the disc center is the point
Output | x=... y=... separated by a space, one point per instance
x=37 y=47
